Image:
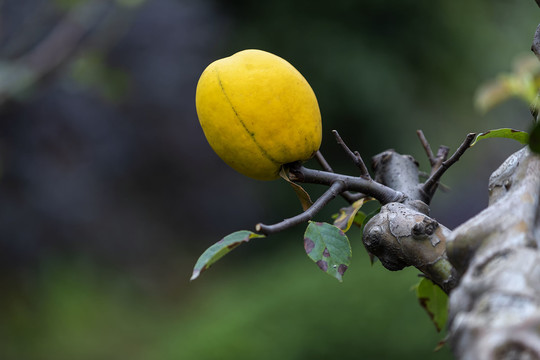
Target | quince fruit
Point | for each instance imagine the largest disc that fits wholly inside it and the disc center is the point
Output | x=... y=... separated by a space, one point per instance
x=258 y=113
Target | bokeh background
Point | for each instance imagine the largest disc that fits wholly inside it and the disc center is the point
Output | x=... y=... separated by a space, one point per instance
x=109 y=191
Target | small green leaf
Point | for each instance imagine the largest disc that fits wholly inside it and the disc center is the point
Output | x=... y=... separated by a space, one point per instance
x=328 y=247
x=521 y=83
x=517 y=135
x=360 y=219
x=220 y=249
x=534 y=139
x=492 y=94
x=434 y=301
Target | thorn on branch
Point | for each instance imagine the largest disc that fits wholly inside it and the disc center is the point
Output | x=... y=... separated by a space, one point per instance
x=355 y=156
x=431 y=183
x=334 y=190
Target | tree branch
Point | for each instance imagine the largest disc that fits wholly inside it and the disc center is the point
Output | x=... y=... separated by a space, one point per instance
x=434 y=161
x=400 y=172
x=495 y=312
x=430 y=185
x=442 y=154
x=349 y=197
x=368 y=187
x=335 y=189
x=355 y=157
x=427 y=147
x=401 y=236
x=322 y=161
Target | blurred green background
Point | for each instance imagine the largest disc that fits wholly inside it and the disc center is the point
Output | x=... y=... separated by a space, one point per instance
x=109 y=191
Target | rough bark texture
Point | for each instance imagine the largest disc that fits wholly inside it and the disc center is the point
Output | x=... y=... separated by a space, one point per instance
x=495 y=309
x=400 y=236
x=490 y=265
x=403 y=234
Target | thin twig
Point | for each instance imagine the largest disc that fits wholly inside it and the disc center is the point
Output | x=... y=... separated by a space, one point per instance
x=442 y=155
x=355 y=157
x=335 y=189
x=427 y=147
x=434 y=161
x=443 y=187
x=322 y=161
x=430 y=183
x=348 y=196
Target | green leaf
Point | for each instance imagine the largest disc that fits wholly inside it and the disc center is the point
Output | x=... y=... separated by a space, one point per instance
x=328 y=247
x=508 y=133
x=534 y=139
x=521 y=83
x=434 y=301
x=360 y=219
x=220 y=249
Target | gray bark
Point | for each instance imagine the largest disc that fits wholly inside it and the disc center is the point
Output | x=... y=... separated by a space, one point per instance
x=490 y=265
x=495 y=308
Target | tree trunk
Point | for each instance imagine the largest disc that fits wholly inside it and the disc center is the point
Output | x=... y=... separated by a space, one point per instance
x=495 y=308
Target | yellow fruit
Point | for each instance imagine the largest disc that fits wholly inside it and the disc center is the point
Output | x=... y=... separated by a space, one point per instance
x=258 y=113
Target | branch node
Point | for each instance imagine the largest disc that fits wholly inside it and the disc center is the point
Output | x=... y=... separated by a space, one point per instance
x=347 y=195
